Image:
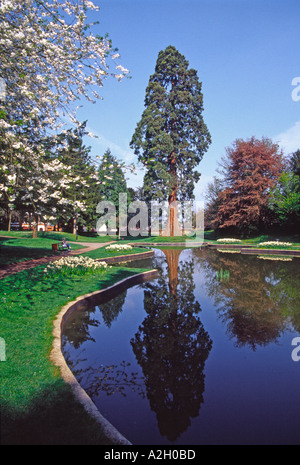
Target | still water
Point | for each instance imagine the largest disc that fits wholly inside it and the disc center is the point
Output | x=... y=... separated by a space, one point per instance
x=202 y=354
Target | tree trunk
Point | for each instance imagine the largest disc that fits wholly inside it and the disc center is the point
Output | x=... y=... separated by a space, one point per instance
x=173 y=228
x=34 y=230
x=21 y=220
x=9 y=221
x=35 y=225
x=75 y=224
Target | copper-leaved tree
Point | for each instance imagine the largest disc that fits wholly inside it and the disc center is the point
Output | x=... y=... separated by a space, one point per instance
x=251 y=169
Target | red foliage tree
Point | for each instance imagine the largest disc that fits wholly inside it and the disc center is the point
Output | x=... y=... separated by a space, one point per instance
x=251 y=169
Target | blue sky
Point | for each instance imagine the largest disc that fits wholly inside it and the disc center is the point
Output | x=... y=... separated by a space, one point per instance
x=246 y=53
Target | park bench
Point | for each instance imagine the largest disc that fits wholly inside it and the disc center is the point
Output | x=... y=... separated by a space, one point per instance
x=59 y=247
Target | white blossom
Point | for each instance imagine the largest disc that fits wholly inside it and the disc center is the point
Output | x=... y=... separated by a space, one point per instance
x=48 y=59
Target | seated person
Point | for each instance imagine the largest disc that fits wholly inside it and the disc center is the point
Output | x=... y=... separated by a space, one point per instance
x=65 y=245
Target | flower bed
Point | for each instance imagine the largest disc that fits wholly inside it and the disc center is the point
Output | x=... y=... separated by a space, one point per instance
x=74 y=266
x=229 y=241
x=275 y=245
x=119 y=247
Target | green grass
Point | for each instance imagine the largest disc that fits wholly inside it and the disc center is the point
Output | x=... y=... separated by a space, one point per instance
x=20 y=246
x=58 y=236
x=209 y=236
x=15 y=250
x=37 y=407
x=102 y=253
x=212 y=237
x=279 y=247
x=158 y=239
x=294 y=239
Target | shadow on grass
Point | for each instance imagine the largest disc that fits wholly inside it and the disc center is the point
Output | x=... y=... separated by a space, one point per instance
x=37 y=406
x=13 y=254
x=55 y=417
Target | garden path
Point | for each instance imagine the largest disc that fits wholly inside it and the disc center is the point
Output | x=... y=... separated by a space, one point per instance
x=14 y=268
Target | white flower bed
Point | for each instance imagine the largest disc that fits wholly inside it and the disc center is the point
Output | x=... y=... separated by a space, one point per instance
x=275 y=244
x=76 y=265
x=228 y=241
x=118 y=247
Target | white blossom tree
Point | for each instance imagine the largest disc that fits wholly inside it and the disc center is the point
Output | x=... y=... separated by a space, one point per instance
x=80 y=172
x=49 y=60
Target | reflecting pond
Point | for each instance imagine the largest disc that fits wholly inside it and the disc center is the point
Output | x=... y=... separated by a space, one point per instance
x=202 y=354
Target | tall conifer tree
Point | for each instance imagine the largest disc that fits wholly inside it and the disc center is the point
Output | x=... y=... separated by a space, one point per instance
x=171 y=137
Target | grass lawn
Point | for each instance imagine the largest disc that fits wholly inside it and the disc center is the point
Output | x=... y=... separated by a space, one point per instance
x=37 y=407
x=19 y=249
x=13 y=250
x=212 y=237
x=159 y=240
x=58 y=236
x=102 y=253
x=20 y=245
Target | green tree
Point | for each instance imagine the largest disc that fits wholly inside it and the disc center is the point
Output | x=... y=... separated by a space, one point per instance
x=171 y=137
x=76 y=195
x=112 y=180
x=295 y=162
x=214 y=189
x=285 y=199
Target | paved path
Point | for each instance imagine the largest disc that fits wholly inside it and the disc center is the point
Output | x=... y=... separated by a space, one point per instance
x=14 y=268
x=88 y=246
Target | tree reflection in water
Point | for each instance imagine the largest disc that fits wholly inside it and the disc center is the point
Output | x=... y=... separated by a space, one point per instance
x=77 y=331
x=256 y=301
x=259 y=300
x=171 y=346
x=113 y=378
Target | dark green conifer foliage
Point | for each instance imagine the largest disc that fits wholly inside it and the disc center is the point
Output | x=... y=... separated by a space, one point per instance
x=171 y=137
x=295 y=162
